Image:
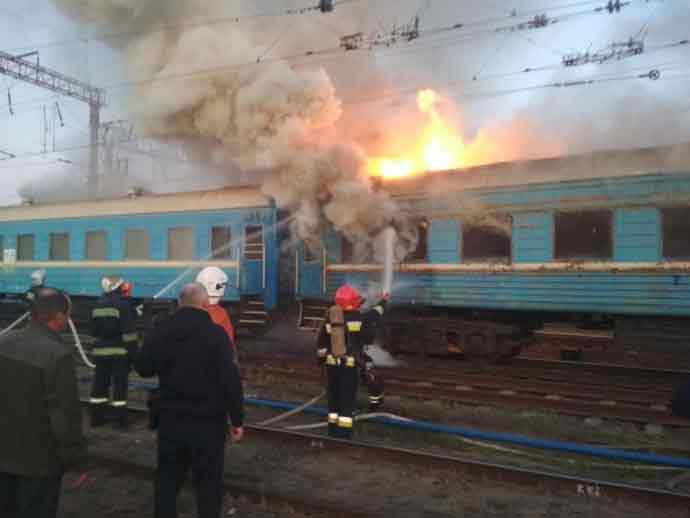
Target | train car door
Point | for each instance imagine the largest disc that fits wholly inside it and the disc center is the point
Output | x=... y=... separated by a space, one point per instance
x=310 y=274
x=253 y=260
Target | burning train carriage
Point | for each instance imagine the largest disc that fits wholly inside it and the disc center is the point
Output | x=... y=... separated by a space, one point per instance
x=151 y=241
x=505 y=249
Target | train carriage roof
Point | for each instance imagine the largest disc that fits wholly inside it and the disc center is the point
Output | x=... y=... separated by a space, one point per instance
x=199 y=201
x=602 y=165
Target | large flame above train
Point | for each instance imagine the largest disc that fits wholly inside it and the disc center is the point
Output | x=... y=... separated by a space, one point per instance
x=438 y=145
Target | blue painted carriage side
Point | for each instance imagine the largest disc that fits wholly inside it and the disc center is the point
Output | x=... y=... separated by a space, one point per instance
x=333 y=243
x=147 y=280
x=444 y=241
x=634 y=189
x=269 y=219
x=532 y=239
x=86 y=281
x=616 y=293
x=637 y=235
x=310 y=274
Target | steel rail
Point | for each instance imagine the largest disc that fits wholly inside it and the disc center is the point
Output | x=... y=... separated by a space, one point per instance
x=556 y=401
x=555 y=484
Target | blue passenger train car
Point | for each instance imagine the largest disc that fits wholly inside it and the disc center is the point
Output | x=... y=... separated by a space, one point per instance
x=503 y=249
x=153 y=241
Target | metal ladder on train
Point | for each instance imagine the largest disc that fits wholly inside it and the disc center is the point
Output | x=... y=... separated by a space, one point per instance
x=312 y=315
x=253 y=315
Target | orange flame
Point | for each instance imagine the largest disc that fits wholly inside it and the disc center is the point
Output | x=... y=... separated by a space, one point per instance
x=439 y=146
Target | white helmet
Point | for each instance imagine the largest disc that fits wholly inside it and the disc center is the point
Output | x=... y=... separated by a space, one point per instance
x=214 y=280
x=111 y=283
x=38 y=277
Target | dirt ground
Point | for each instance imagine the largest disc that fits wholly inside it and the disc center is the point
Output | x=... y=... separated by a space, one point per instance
x=106 y=494
x=268 y=480
x=259 y=470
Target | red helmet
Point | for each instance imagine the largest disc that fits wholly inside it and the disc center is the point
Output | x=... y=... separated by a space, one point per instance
x=126 y=289
x=348 y=298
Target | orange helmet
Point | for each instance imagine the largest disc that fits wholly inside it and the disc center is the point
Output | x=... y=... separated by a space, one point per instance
x=126 y=289
x=348 y=298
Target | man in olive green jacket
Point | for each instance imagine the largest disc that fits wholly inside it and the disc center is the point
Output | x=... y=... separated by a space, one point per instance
x=41 y=423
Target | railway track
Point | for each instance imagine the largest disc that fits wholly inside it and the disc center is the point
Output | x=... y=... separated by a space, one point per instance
x=598 y=492
x=278 y=500
x=635 y=399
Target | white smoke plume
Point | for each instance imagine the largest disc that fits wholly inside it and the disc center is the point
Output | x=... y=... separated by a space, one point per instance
x=188 y=68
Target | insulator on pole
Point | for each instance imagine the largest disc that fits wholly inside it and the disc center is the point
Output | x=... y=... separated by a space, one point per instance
x=326 y=6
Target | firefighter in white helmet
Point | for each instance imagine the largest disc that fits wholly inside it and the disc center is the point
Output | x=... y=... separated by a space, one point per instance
x=38 y=278
x=215 y=281
x=113 y=322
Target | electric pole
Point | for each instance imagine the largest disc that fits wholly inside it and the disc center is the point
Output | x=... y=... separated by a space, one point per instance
x=24 y=70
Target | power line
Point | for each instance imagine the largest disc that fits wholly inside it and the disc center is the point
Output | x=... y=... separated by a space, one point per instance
x=335 y=51
x=540 y=20
x=653 y=73
x=176 y=26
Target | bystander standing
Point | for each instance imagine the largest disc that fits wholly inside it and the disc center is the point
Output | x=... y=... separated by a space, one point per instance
x=200 y=387
x=41 y=431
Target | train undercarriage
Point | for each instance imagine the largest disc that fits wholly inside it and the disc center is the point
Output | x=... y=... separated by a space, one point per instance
x=485 y=336
x=498 y=336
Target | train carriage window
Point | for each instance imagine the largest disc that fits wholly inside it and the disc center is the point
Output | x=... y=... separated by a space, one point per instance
x=25 y=247
x=181 y=244
x=96 y=246
x=676 y=233
x=59 y=247
x=254 y=242
x=487 y=240
x=421 y=251
x=137 y=245
x=346 y=251
x=221 y=242
x=583 y=235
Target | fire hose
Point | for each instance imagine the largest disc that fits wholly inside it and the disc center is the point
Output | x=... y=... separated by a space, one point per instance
x=77 y=341
x=15 y=324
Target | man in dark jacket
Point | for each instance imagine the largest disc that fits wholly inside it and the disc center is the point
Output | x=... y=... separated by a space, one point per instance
x=41 y=431
x=200 y=387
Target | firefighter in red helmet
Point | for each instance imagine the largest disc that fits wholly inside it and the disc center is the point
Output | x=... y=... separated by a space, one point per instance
x=341 y=345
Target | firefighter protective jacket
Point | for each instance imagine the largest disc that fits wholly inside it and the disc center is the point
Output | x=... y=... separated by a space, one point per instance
x=113 y=322
x=360 y=330
x=31 y=294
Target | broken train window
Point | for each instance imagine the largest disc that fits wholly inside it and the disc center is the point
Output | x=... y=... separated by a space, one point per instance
x=583 y=235
x=675 y=223
x=489 y=239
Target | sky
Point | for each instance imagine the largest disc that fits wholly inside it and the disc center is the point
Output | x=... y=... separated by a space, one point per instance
x=375 y=85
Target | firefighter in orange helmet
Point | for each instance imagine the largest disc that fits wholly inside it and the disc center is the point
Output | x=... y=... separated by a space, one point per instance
x=341 y=345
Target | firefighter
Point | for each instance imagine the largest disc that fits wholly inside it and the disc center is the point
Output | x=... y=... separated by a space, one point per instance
x=215 y=281
x=38 y=278
x=113 y=326
x=341 y=342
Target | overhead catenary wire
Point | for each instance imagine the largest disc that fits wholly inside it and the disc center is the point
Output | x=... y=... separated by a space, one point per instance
x=259 y=60
x=422 y=33
x=213 y=70
x=163 y=27
x=650 y=74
